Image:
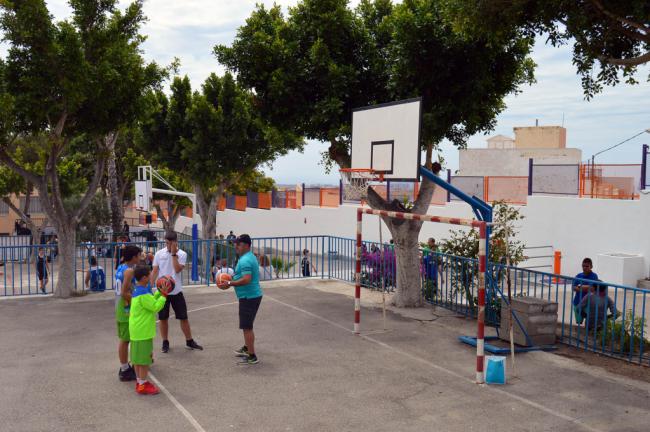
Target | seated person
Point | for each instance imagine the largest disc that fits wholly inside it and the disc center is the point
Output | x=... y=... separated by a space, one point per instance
x=581 y=288
x=594 y=308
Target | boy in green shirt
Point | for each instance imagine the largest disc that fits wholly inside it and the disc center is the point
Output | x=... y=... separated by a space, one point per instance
x=142 y=326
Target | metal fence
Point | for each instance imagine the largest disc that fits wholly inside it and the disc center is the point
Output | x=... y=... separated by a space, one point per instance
x=447 y=281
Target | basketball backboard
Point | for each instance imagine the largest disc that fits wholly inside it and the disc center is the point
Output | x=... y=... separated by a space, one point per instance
x=386 y=139
x=143 y=195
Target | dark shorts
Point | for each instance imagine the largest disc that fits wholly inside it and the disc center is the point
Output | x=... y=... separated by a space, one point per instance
x=177 y=302
x=247 y=312
x=42 y=275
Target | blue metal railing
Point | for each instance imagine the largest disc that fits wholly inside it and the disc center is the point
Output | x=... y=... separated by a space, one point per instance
x=447 y=281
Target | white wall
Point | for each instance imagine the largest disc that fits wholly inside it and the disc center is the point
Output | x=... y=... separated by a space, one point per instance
x=576 y=227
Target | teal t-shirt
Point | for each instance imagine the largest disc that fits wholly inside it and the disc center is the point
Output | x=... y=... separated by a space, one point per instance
x=248 y=265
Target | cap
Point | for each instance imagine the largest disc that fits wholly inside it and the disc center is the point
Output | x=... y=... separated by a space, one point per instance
x=244 y=238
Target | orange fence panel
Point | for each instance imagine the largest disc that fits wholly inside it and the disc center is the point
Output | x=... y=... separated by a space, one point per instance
x=610 y=181
x=329 y=197
x=221 y=205
x=513 y=190
x=294 y=199
x=264 y=200
x=241 y=202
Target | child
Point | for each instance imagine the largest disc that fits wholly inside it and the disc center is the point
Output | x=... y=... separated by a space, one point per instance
x=42 y=269
x=142 y=327
x=95 y=277
x=594 y=308
x=582 y=289
x=306 y=265
x=124 y=282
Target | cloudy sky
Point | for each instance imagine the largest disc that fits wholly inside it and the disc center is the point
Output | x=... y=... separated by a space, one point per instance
x=188 y=29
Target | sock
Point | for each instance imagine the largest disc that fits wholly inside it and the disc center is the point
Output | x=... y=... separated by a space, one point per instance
x=124 y=367
x=189 y=341
x=141 y=381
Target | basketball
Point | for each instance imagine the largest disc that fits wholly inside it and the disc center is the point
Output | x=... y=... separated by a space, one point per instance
x=222 y=278
x=163 y=280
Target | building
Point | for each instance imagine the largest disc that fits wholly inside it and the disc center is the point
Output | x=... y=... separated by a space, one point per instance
x=505 y=156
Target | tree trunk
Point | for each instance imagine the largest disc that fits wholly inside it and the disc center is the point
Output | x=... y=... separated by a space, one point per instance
x=66 y=261
x=114 y=192
x=206 y=203
x=339 y=153
x=169 y=224
x=405 y=234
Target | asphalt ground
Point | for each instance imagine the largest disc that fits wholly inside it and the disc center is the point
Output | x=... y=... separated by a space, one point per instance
x=58 y=372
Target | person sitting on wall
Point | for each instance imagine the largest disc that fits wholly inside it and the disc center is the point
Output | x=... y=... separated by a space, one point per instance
x=594 y=308
x=581 y=288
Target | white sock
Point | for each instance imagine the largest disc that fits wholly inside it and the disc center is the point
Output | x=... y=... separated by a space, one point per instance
x=124 y=367
x=141 y=381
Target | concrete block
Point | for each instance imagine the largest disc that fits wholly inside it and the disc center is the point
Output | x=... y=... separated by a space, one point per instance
x=537 y=316
x=621 y=268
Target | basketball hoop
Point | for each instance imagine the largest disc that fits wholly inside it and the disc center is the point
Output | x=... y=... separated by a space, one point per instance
x=356 y=181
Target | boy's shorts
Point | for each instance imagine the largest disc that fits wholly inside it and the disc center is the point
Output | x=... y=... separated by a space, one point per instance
x=141 y=352
x=123 y=331
x=577 y=312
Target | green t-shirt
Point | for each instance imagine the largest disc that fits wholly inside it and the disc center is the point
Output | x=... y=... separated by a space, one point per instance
x=142 y=319
x=248 y=265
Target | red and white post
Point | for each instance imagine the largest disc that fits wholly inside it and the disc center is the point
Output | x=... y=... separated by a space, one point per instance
x=357 y=274
x=480 y=331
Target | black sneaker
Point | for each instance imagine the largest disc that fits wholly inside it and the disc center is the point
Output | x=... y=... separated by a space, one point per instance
x=192 y=345
x=242 y=352
x=127 y=375
x=165 y=347
x=251 y=359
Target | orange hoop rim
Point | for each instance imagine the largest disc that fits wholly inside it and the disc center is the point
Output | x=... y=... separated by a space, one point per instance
x=377 y=175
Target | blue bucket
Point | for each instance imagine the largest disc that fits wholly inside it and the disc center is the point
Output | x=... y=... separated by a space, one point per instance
x=495 y=370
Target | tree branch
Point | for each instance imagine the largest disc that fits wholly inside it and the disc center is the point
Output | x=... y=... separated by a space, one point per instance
x=634 y=61
x=18 y=211
x=100 y=165
x=598 y=4
x=15 y=167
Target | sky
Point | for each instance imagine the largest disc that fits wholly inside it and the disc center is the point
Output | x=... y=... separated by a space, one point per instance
x=189 y=29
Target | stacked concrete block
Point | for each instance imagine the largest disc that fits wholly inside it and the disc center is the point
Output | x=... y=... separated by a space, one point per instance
x=537 y=316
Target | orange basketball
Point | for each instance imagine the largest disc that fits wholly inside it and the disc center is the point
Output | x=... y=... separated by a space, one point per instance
x=222 y=278
x=164 y=280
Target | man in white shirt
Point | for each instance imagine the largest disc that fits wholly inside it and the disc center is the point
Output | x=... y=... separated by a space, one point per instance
x=170 y=261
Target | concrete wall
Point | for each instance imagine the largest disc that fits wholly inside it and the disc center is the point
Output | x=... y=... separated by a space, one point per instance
x=576 y=227
x=511 y=162
x=540 y=137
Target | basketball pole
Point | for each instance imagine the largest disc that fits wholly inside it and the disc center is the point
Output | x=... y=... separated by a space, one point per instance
x=382 y=275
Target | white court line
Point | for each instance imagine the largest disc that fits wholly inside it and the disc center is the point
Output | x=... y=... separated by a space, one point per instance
x=177 y=404
x=442 y=369
x=171 y=397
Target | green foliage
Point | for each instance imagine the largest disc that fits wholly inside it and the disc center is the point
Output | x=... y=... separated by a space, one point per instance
x=97 y=215
x=310 y=69
x=281 y=266
x=624 y=336
x=464 y=244
x=253 y=181
x=609 y=37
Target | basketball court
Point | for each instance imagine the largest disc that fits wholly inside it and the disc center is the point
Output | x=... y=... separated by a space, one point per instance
x=314 y=374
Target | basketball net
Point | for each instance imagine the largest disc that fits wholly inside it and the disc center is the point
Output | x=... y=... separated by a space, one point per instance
x=356 y=181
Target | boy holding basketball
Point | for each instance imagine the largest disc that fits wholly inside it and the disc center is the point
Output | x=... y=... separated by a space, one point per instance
x=142 y=326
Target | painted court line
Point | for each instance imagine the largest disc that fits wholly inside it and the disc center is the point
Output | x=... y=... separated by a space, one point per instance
x=177 y=404
x=197 y=426
x=442 y=369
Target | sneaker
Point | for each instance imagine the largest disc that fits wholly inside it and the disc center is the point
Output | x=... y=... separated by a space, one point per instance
x=251 y=359
x=165 y=346
x=146 y=389
x=192 y=345
x=43 y=290
x=127 y=375
x=242 y=352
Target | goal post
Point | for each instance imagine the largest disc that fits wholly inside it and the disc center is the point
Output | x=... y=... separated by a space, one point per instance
x=482 y=263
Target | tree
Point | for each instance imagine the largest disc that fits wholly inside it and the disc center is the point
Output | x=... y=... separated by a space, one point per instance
x=253 y=181
x=69 y=84
x=610 y=38
x=324 y=60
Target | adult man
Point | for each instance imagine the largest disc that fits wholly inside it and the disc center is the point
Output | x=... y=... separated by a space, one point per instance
x=581 y=288
x=231 y=237
x=247 y=287
x=170 y=261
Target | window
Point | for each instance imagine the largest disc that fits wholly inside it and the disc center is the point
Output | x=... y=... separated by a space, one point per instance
x=34 y=204
x=4 y=208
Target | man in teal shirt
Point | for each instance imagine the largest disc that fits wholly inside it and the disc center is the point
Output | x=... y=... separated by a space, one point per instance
x=247 y=287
